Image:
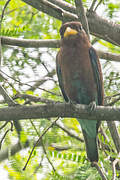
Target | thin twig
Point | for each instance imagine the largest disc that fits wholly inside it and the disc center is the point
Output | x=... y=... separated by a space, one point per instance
x=64 y=5
x=95 y=164
x=2 y=16
x=28 y=84
x=114 y=95
x=7 y=98
x=11 y=129
x=4 y=125
x=92 y=5
x=11 y=102
x=104 y=134
x=114 y=167
x=47 y=156
x=69 y=133
x=98 y=5
x=113 y=102
x=45 y=131
x=34 y=98
x=40 y=165
x=45 y=67
x=42 y=145
x=3 y=11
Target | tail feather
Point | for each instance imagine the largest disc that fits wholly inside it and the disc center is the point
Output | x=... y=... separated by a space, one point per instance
x=90 y=130
x=91 y=147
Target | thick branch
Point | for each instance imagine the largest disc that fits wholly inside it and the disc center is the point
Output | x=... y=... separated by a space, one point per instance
x=98 y=26
x=51 y=9
x=51 y=43
x=103 y=28
x=109 y=56
x=59 y=110
x=29 y=43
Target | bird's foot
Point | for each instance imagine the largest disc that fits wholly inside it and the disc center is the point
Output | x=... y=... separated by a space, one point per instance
x=92 y=106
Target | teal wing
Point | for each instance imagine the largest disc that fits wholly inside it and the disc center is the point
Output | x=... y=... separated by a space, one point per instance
x=97 y=74
x=59 y=75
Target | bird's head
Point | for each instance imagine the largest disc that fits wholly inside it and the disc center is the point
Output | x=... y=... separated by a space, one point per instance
x=72 y=30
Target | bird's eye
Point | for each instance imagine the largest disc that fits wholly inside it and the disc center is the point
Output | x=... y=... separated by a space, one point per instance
x=80 y=28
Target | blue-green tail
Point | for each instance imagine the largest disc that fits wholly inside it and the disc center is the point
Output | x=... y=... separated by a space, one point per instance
x=89 y=129
x=91 y=147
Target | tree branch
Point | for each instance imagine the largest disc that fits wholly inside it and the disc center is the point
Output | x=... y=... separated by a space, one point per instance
x=39 y=140
x=114 y=134
x=114 y=167
x=103 y=29
x=29 y=43
x=95 y=164
x=99 y=27
x=7 y=98
x=98 y=5
x=109 y=56
x=51 y=10
x=59 y=110
x=10 y=129
x=21 y=83
x=92 y=5
x=69 y=132
x=43 y=146
x=64 y=5
x=17 y=147
x=2 y=15
x=32 y=98
x=52 y=43
x=82 y=16
x=10 y=102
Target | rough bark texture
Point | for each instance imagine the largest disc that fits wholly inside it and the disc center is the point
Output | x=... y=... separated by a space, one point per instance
x=59 y=110
x=99 y=27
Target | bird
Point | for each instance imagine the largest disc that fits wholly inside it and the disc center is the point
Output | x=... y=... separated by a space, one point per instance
x=80 y=78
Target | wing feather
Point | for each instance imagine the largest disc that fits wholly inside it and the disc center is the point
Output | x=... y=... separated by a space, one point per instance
x=59 y=74
x=97 y=74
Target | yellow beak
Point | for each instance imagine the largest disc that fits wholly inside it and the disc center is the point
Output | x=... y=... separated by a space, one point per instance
x=69 y=31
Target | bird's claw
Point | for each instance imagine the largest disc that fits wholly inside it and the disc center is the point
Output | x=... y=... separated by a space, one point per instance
x=92 y=106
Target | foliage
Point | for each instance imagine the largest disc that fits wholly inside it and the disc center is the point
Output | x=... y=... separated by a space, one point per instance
x=30 y=71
